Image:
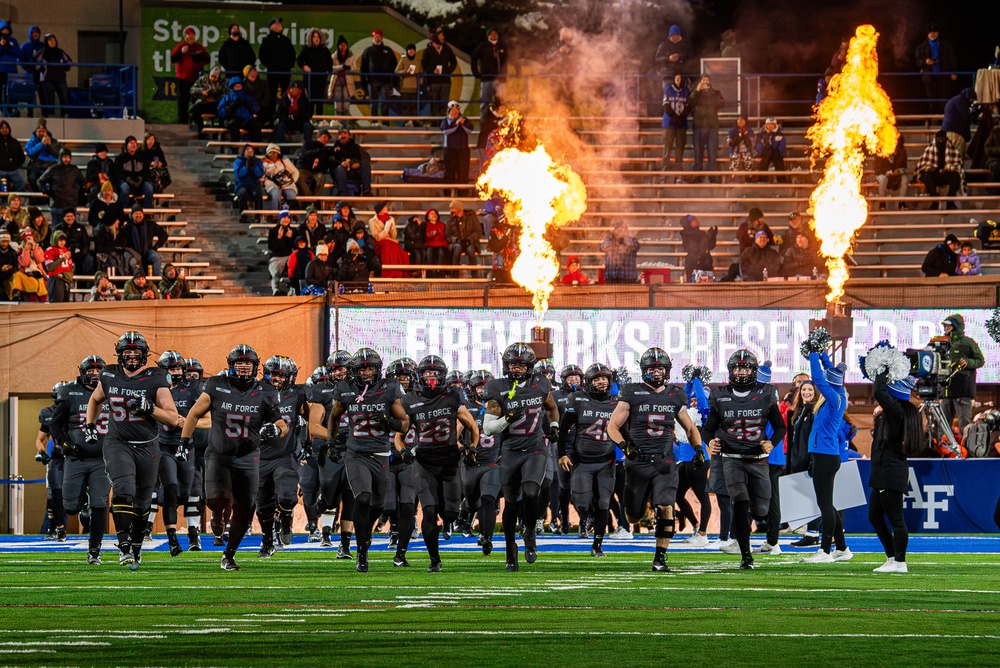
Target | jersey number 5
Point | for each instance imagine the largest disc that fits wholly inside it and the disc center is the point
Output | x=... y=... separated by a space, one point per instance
x=745 y=429
x=237 y=426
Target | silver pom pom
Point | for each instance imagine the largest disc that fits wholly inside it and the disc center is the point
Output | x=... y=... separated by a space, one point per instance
x=884 y=358
x=818 y=340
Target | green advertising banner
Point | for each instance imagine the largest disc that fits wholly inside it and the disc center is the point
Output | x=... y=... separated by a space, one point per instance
x=163 y=27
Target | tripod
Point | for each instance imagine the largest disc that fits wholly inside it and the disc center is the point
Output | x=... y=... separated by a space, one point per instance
x=937 y=425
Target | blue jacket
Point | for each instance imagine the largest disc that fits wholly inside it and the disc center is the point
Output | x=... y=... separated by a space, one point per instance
x=36 y=150
x=675 y=107
x=958 y=114
x=847 y=432
x=694 y=388
x=10 y=55
x=248 y=173
x=237 y=104
x=772 y=140
x=30 y=50
x=825 y=437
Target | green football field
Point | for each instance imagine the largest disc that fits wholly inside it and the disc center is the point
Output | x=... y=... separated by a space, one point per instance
x=305 y=608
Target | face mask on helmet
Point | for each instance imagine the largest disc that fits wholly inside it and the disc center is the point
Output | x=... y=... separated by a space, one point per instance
x=243 y=365
x=132 y=351
x=365 y=367
x=655 y=367
x=90 y=371
x=193 y=369
x=518 y=362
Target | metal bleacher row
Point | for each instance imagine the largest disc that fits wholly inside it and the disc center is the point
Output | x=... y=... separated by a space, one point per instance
x=180 y=249
x=622 y=171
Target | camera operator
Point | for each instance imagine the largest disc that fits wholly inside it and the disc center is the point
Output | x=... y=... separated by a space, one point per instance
x=964 y=357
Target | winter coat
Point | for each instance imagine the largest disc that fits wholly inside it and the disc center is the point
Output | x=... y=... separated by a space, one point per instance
x=377 y=60
x=771 y=141
x=39 y=152
x=456 y=135
x=800 y=261
x=107 y=240
x=824 y=437
x=962 y=347
x=969 y=265
x=10 y=54
x=173 y=288
x=281 y=246
x=132 y=168
x=313 y=235
x=431 y=59
x=319 y=273
x=259 y=91
x=740 y=140
x=11 y=152
x=156 y=152
x=188 y=65
x=139 y=236
x=133 y=291
x=940 y=260
x=675 y=107
x=313 y=151
x=274 y=167
x=745 y=234
x=237 y=104
x=415 y=235
x=53 y=61
x=30 y=50
x=104 y=213
x=489 y=61
x=697 y=243
x=705 y=105
x=248 y=171
x=96 y=167
x=434 y=235
x=294 y=115
x=358 y=268
x=666 y=67
x=234 y=55
x=408 y=83
x=276 y=52
x=798 y=445
x=77 y=237
x=946 y=61
x=298 y=261
x=889 y=469
x=464 y=228
x=380 y=230
x=206 y=90
x=755 y=260
x=318 y=59
x=63 y=183
x=958 y=114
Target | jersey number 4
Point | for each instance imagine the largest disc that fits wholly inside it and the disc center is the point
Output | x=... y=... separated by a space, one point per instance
x=746 y=429
x=598 y=430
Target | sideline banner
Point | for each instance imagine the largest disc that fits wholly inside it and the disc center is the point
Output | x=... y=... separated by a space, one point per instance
x=944 y=496
x=163 y=27
x=469 y=338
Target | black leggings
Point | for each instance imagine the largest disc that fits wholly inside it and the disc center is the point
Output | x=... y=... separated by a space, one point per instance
x=885 y=503
x=618 y=498
x=725 y=515
x=696 y=480
x=824 y=471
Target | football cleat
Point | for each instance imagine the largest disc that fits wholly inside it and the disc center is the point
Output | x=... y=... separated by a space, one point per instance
x=393 y=539
x=446 y=531
x=194 y=540
x=362 y=566
x=344 y=553
x=660 y=564
x=530 y=549
x=746 y=564
x=229 y=563
x=266 y=550
x=435 y=566
x=218 y=541
x=513 y=567
x=285 y=530
x=314 y=536
x=487 y=546
x=400 y=560
x=175 y=546
x=61 y=535
x=325 y=539
x=597 y=550
x=94 y=558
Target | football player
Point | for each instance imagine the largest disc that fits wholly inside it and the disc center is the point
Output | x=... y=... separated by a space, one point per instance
x=54 y=462
x=481 y=463
x=570 y=380
x=520 y=406
x=244 y=410
x=650 y=409
x=176 y=470
x=138 y=398
x=194 y=376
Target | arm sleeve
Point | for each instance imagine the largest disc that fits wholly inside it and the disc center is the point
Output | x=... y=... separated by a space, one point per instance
x=493 y=424
x=566 y=423
x=712 y=423
x=889 y=405
x=697 y=389
x=60 y=413
x=819 y=379
x=777 y=423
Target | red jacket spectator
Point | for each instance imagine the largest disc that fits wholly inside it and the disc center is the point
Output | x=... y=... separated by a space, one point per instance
x=573 y=274
x=435 y=235
x=299 y=259
x=189 y=57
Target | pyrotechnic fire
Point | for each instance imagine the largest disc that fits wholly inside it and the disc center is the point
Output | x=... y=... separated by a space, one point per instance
x=856 y=115
x=539 y=194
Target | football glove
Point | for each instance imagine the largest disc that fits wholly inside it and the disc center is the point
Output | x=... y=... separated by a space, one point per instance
x=406 y=456
x=42 y=458
x=514 y=415
x=269 y=431
x=306 y=454
x=699 y=459
x=90 y=436
x=379 y=422
x=301 y=422
x=182 y=449
x=469 y=455
x=552 y=433
x=71 y=449
x=141 y=406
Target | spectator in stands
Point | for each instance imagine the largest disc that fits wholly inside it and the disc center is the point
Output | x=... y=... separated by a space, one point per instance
x=29 y=279
x=705 y=103
x=439 y=63
x=100 y=170
x=493 y=115
x=173 y=284
x=562 y=63
x=573 y=275
x=747 y=232
x=280 y=244
x=435 y=238
x=992 y=152
x=489 y=65
x=311 y=229
x=144 y=236
x=30 y=50
x=378 y=65
x=132 y=174
x=341 y=89
x=103 y=289
x=236 y=53
x=968 y=260
x=316 y=61
x=110 y=248
x=10 y=55
x=256 y=88
x=189 y=58
x=672 y=54
x=297 y=262
x=456 y=129
x=43 y=152
x=697 y=244
x=357 y=268
x=839 y=58
x=277 y=55
x=415 y=239
x=314 y=163
x=502 y=242
x=345 y=213
x=935 y=58
x=890 y=173
x=801 y=258
x=942 y=260
x=409 y=71
x=8 y=265
x=238 y=111
x=760 y=262
x=741 y=146
x=140 y=287
x=293 y=114
x=105 y=208
x=64 y=183
x=363 y=237
x=16 y=213
x=796 y=227
x=38 y=226
x=620 y=249
x=383 y=230
x=59 y=268
x=771 y=148
x=958 y=119
x=152 y=153
x=12 y=158
x=823 y=84
x=249 y=173
x=675 y=114
x=337 y=235
x=319 y=272
x=280 y=177
x=77 y=241
x=205 y=95
x=940 y=165
x=52 y=72
x=464 y=233
x=348 y=163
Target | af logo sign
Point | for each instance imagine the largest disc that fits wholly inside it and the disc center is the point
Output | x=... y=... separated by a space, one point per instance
x=932 y=498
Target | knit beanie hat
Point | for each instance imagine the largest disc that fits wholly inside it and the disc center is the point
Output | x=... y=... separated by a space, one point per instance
x=835 y=376
x=901 y=389
x=764 y=372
